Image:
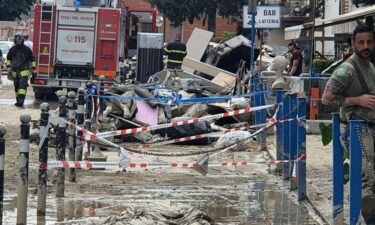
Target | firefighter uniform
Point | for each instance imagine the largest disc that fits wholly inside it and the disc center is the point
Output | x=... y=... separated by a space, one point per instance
x=19 y=61
x=176 y=52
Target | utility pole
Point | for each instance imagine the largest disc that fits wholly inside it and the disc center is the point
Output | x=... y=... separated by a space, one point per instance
x=253 y=11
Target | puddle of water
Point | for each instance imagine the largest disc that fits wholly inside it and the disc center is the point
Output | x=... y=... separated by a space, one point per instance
x=252 y=203
x=10 y=102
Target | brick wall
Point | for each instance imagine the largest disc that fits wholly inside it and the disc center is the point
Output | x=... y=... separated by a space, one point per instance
x=137 y=4
x=170 y=32
x=9 y=29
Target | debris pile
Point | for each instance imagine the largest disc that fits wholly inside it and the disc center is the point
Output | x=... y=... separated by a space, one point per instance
x=204 y=86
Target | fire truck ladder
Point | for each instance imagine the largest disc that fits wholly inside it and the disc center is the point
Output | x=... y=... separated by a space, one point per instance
x=45 y=37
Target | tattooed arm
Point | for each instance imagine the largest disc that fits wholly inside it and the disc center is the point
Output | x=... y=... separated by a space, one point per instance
x=333 y=96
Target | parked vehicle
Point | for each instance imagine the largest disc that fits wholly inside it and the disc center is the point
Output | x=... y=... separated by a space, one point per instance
x=73 y=45
x=5 y=46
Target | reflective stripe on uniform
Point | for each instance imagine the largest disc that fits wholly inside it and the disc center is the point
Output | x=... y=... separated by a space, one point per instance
x=176 y=51
x=21 y=91
x=33 y=64
x=8 y=62
x=174 y=61
x=24 y=73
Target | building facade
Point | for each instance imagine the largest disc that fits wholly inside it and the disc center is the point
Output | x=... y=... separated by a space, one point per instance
x=222 y=25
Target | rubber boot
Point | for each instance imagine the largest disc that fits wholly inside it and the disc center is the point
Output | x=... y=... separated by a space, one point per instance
x=21 y=100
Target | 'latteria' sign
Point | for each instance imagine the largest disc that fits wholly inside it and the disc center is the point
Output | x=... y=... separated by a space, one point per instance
x=267 y=17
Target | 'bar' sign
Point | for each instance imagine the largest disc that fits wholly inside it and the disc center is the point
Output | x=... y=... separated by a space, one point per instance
x=266 y=17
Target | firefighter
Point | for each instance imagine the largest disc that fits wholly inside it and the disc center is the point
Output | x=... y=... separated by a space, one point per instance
x=19 y=61
x=176 y=52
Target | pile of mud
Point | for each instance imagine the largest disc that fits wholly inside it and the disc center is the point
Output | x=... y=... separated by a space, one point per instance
x=157 y=215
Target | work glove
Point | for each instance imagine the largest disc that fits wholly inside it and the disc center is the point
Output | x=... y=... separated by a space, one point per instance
x=33 y=76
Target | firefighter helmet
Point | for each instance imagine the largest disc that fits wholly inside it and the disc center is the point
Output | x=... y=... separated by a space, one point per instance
x=18 y=37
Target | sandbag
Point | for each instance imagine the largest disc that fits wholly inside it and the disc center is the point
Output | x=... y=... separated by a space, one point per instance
x=232 y=138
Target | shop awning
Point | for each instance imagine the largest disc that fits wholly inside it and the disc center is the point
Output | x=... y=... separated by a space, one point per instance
x=347 y=17
x=293 y=32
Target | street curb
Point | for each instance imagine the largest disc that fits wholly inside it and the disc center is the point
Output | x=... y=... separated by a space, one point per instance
x=307 y=199
x=316 y=210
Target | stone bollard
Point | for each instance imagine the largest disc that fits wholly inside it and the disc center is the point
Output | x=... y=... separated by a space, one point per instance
x=24 y=170
x=2 y=162
x=80 y=120
x=96 y=154
x=72 y=107
x=43 y=157
x=61 y=146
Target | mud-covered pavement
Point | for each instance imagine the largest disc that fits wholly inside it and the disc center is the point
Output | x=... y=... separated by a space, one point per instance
x=229 y=195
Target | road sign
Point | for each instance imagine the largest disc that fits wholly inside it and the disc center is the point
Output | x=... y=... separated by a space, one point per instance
x=266 y=17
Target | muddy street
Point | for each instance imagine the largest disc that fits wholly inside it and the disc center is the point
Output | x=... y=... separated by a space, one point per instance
x=228 y=194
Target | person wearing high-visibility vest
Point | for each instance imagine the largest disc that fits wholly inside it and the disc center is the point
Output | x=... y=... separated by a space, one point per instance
x=176 y=52
x=19 y=61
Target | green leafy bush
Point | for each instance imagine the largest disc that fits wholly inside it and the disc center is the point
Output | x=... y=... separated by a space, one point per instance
x=321 y=64
x=228 y=35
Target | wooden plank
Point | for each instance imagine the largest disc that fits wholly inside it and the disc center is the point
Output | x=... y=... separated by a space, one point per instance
x=224 y=79
x=204 y=68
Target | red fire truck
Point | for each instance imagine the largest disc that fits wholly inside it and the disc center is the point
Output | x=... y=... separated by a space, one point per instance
x=76 y=44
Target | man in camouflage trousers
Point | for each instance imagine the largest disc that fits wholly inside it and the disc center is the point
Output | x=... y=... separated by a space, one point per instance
x=352 y=87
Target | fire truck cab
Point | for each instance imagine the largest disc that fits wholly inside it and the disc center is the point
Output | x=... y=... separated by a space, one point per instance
x=76 y=43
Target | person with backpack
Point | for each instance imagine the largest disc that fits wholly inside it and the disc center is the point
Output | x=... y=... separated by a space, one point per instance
x=352 y=88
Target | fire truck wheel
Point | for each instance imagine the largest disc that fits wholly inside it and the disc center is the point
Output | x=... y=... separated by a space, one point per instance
x=39 y=95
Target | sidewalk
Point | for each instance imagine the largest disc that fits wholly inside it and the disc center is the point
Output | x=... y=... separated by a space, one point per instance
x=319 y=174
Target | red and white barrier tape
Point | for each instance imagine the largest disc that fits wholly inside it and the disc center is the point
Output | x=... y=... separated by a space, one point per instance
x=294 y=172
x=199 y=136
x=301 y=158
x=115 y=165
x=89 y=136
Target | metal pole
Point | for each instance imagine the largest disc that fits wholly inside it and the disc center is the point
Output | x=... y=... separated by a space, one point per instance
x=72 y=106
x=89 y=111
x=338 y=173
x=285 y=131
x=279 y=130
x=262 y=116
x=61 y=146
x=355 y=173
x=43 y=157
x=301 y=148
x=292 y=139
x=252 y=7
x=95 y=101
x=2 y=162
x=80 y=120
x=259 y=115
x=24 y=170
x=101 y=93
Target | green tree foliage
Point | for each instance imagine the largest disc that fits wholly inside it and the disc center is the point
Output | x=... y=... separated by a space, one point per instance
x=178 y=11
x=12 y=9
